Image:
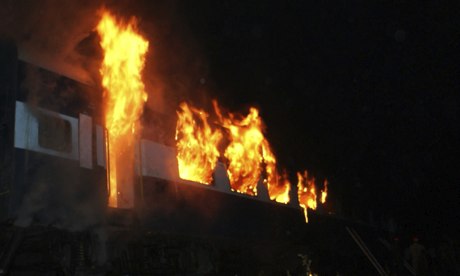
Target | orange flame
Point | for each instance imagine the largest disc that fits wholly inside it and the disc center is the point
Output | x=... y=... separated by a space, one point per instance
x=247 y=152
x=280 y=192
x=243 y=152
x=124 y=96
x=306 y=192
x=324 y=192
x=278 y=186
x=197 y=143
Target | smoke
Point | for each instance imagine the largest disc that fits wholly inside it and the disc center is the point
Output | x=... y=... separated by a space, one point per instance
x=59 y=35
x=59 y=194
x=52 y=33
x=57 y=191
x=175 y=67
x=51 y=91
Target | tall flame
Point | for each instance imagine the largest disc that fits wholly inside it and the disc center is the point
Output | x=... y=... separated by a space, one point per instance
x=249 y=155
x=244 y=152
x=196 y=142
x=124 y=97
x=306 y=192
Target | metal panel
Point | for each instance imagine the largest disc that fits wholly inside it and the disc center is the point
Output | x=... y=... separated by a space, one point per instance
x=26 y=131
x=21 y=127
x=262 y=192
x=221 y=178
x=86 y=141
x=100 y=146
x=159 y=161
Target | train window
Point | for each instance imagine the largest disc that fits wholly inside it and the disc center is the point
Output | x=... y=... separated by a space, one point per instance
x=54 y=133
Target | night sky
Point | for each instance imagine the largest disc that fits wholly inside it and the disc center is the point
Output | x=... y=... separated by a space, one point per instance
x=364 y=93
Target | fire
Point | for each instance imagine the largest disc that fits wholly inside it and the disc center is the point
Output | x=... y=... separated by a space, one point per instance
x=244 y=151
x=324 y=192
x=280 y=191
x=196 y=142
x=278 y=185
x=124 y=97
x=306 y=192
x=248 y=154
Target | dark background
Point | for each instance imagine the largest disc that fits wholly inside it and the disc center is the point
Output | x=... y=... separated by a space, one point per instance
x=364 y=93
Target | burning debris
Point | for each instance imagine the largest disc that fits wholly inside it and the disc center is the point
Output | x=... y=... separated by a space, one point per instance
x=124 y=95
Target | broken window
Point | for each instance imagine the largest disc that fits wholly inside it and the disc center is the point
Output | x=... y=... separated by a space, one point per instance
x=54 y=133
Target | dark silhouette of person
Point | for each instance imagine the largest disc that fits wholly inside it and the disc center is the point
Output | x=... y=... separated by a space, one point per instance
x=418 y=257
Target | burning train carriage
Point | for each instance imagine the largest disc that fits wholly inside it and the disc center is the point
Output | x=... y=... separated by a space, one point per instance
x=52 y=143
x=70 y=134
x=54 y=159
x=54 y=171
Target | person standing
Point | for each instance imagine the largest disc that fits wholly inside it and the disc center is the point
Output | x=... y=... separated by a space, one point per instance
x=418 y=257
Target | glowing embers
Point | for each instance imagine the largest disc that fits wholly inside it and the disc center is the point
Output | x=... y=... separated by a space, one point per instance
x=197 y=143
x=124 y=98
x=306 y=192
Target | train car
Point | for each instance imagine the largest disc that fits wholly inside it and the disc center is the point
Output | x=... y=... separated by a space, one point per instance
x=53 y=199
